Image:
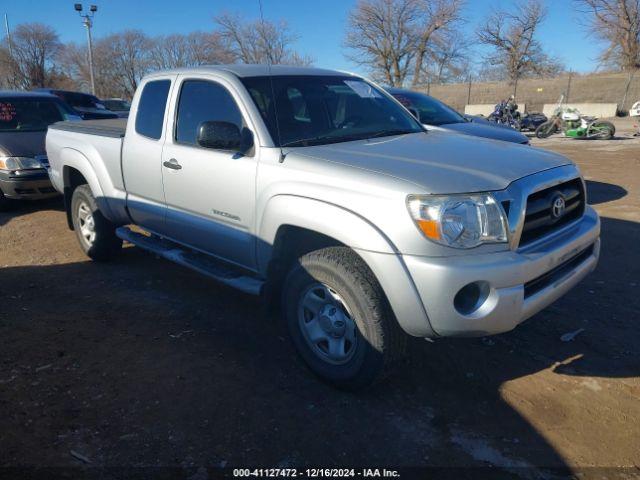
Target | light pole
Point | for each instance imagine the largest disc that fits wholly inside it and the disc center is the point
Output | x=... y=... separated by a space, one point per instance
x=88 y=23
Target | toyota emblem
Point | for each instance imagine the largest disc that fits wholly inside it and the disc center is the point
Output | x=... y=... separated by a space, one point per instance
x=557 y=207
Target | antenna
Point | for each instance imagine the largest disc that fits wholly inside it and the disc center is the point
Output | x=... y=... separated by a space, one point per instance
x=273 y=91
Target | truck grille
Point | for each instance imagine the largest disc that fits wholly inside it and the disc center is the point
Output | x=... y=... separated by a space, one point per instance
x=551 y=209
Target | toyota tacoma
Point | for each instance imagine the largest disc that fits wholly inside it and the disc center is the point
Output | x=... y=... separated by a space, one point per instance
x=319 y=191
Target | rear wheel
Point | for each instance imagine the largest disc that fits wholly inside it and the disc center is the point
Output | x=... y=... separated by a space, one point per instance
x=339 y=319
x=546 y=129
x=601 y=130
x=96 y=234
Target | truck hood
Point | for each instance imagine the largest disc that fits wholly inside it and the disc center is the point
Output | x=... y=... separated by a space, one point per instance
x=487 y=130
x=441 y=162
x=22 y=144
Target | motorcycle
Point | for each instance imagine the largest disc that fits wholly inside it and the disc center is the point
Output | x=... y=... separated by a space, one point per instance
x=506 y=113
x=531 y=121
x=572 y=124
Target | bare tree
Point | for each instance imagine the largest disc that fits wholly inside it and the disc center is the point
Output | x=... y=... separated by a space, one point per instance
x=9 y=76
x=512 y=34
x=33 y=49
x=207 y=48
x=617 y=23
x=126 y=59
x=380 y=36
x=433 y=17
x=120 y=60
x=73 y=59
x=448 y=59
x=196 y=48
x=258 y=41
x=395 y=38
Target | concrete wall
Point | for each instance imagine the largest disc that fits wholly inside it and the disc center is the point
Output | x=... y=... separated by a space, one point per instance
x=595 y=88
x=600 y=110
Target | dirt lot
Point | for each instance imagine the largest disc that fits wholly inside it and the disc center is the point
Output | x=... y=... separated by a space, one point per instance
x=143 y=363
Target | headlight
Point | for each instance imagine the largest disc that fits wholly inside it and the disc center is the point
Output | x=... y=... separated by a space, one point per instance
x=19 y=163
x=459 y=221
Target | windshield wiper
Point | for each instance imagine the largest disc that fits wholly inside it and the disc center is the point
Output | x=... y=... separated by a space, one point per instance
x=304 y=142
x=307 y=142
x=389 y=133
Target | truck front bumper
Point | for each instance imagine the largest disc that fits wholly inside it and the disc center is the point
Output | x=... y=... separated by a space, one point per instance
x=27 y=184
x=505 y=288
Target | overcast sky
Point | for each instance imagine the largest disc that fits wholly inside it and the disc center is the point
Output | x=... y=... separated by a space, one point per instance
x=320 y=24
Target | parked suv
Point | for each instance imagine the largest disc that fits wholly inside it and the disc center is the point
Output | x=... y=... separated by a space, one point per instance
x=24 y=118
x=118 y=106
x=89 y=107
x=318 y=191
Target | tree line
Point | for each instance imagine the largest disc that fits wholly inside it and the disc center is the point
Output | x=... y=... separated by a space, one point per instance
x=398 y=42
x=416 y=42
x=35 y=57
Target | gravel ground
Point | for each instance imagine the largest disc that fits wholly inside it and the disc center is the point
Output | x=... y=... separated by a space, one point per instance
x=141 y=363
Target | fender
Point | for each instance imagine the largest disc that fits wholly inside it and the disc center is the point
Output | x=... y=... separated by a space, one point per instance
x=322 y=217
x=354 y=231
x=70 y=157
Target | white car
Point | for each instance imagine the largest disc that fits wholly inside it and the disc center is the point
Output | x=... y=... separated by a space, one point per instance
x=635 y=110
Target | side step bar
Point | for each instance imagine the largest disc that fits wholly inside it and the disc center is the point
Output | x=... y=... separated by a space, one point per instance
x=200 y=262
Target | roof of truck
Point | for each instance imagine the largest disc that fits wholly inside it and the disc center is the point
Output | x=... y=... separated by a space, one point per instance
x=248 y=70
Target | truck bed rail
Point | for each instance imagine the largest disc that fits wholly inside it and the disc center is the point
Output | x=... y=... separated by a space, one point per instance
x=105 y=128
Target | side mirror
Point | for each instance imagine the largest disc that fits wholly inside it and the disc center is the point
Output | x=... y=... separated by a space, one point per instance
x=224 y=136
x=414 y=112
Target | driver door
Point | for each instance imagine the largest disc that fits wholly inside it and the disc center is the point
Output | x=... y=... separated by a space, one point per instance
x=210 y=194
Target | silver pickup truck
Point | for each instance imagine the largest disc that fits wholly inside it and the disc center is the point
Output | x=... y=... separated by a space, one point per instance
x=320 y=192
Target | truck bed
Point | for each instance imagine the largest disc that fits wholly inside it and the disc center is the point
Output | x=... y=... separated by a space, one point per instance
x=105 y=128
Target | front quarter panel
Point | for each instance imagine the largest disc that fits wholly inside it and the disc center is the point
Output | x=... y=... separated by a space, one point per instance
x=368 y=241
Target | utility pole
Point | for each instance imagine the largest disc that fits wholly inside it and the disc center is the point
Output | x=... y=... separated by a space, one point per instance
x=87 y=21
x=14 y=66
x=6 y=27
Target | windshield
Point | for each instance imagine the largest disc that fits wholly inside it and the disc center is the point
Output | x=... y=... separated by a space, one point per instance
x=430 y=110
x=117 y=105
x=31 y=114
x=317 y=110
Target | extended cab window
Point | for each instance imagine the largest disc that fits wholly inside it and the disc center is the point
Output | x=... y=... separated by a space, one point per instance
x=150 y=114
x=204 y=101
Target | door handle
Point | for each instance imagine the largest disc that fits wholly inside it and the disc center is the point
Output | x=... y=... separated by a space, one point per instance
x=172 y=164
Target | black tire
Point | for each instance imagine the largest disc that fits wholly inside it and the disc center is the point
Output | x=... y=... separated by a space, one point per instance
x=379 y=341
x=601 y=130
x=105 y=243
x=545 y=130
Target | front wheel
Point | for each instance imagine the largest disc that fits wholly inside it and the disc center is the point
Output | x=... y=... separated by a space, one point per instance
x=601 y=130
x=546 y=129
x=339 y=319
x=96 y=234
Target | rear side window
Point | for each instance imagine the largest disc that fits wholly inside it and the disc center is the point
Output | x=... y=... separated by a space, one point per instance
x=204 y=101
x=150 y=114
